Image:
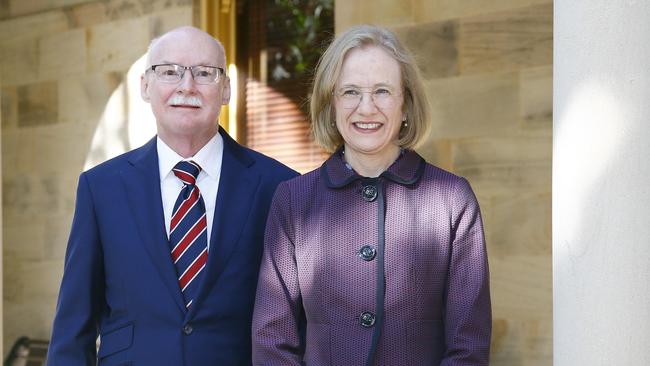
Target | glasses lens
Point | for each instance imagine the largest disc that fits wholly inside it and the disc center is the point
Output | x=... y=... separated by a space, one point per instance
x=205 y=74
x=172 y=73
x=351 y=97
x=168 y=73
x=383 y=98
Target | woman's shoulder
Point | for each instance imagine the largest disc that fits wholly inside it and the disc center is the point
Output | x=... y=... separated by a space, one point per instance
x=444 y=180
x=303 y=182
x=432 y=171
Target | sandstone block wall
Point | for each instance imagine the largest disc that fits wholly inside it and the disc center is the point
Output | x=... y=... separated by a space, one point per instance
x=60 y=62
x=488 y=70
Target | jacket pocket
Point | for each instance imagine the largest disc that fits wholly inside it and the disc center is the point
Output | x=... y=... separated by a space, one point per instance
x=115 y=341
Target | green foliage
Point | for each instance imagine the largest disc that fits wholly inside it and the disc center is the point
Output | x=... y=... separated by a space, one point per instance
x=308 y=24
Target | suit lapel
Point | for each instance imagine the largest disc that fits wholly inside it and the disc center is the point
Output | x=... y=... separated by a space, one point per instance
x=237 y=188
x=142 y=182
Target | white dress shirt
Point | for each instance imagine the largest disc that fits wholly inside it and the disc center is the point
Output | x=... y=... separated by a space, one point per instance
x=209 y=158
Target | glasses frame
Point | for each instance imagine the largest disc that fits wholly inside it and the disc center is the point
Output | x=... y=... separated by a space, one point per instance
x=363 y=90
x=221 y=72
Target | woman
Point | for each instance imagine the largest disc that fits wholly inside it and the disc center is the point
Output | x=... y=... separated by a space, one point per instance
x=377 y=257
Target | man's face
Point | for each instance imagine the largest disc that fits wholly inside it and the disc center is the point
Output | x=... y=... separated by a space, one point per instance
x=186 y=109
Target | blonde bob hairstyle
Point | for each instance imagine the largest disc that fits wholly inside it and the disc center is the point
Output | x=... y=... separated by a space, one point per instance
x=416 y=104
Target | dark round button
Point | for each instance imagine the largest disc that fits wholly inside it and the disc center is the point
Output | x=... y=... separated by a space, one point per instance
x=367 y=253
x=187 y=329
x=369 y=193
x=367 y=319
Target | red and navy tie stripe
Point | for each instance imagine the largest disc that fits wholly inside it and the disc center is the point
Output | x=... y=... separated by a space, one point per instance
x=188 y=232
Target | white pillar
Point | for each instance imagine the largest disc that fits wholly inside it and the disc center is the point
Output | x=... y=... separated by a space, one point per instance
x=601 y=183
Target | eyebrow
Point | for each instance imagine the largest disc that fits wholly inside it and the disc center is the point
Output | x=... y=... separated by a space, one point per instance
x=373 y=86
x=165 y=62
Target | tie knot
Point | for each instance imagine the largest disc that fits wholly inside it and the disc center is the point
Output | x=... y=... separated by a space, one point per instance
x=187 y=171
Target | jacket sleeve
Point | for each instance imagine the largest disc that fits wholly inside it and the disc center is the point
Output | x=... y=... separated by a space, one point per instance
x=278 y=305
x=468 y=315
x=81 y=296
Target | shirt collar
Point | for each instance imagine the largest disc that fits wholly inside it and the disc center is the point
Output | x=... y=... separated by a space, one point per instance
x=209 y=157
x=406 y=170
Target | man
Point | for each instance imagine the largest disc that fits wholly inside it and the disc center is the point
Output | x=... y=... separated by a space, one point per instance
x=163 y=256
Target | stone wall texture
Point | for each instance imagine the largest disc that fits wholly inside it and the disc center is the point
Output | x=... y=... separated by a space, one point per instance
x=60 y=63
x=488 y=71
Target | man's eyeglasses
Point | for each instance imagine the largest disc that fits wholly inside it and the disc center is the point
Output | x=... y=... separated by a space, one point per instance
x=384 y=97
x=172 y=73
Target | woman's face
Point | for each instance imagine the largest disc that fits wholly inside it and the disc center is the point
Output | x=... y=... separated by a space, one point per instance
x=368 y=102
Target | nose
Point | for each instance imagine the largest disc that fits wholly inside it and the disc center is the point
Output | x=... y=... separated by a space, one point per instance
x=366 y=104
x=187 y=81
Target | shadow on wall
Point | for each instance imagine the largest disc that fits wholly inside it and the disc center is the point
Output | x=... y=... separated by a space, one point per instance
x=127 y=121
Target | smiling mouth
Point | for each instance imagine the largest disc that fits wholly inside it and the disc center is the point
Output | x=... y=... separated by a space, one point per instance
x=185 y=106
x=367 y=125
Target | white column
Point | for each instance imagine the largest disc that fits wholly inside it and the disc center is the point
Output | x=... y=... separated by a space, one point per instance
x=601 y=183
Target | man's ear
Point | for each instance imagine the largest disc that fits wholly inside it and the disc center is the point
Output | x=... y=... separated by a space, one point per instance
x=225 y=93
x=144 y=88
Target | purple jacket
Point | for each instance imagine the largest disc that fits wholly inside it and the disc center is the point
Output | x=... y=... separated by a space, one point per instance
x=373 y=271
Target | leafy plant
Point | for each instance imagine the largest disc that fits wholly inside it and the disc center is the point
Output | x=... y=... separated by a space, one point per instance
x=306 y=26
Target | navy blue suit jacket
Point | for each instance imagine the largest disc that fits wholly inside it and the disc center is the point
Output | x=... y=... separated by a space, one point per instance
x=119 y=280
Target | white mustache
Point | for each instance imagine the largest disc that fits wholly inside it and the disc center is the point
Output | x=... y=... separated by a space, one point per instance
x=180 y=99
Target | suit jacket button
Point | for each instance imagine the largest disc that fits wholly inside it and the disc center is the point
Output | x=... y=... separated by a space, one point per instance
x=369 y=193
x=187 y=329
x=367 y=319
x=367 y=253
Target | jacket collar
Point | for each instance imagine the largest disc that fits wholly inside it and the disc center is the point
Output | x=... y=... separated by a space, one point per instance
x=406 y=170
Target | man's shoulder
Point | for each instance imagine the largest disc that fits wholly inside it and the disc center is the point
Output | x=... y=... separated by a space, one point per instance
x=269 y=164
x=118 y=163
x=264 y=165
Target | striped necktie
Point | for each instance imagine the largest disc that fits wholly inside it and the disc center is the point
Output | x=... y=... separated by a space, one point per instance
x=188 y=232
